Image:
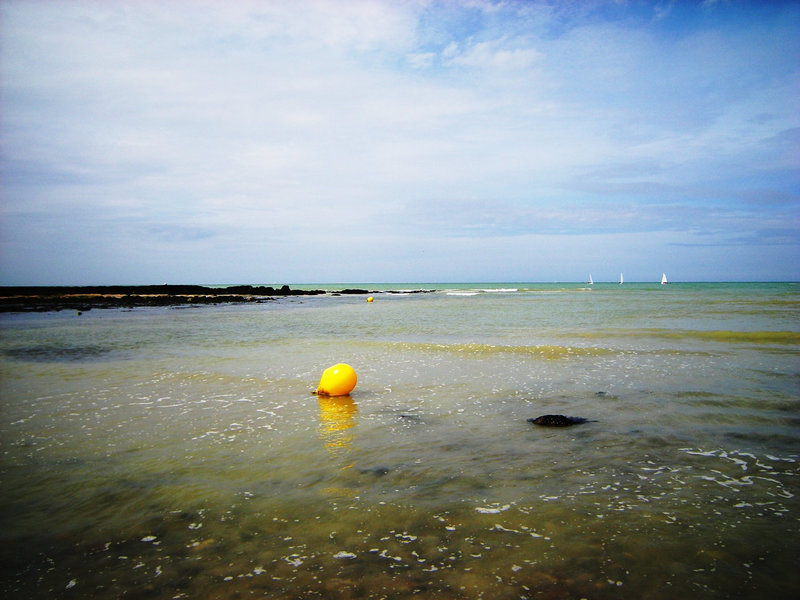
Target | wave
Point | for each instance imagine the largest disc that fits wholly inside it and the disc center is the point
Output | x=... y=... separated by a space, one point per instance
x=478 y=291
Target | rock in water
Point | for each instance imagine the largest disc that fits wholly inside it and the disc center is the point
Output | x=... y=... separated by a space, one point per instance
x=377 y=471
x=556 y=421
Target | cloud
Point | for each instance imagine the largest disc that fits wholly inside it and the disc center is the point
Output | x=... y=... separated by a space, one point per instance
x=216 y=132
x=490 y=55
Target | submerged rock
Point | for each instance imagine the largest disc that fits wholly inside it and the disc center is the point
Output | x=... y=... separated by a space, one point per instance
x=556 y=421
x=376 y=471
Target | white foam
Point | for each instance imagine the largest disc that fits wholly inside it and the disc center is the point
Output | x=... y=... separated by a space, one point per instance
x=498 y=527
x=778 y=458
x=384 y=554
x=492 y=510
x=294 y=559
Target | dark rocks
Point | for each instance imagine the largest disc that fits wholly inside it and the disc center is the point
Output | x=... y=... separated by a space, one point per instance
x=261 y=290
x=556 y=421
x=375 y=471
x=83 y=298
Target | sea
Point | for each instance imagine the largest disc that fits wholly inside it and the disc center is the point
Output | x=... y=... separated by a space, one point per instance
x=180 y=452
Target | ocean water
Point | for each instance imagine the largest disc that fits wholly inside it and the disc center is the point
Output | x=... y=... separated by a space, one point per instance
x=179 y=452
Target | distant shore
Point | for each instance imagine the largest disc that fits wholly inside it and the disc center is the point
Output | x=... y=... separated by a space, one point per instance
x=83 y=298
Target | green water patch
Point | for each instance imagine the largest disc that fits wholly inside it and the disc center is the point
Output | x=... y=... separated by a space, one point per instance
x=727 y=337
x=544 y=351
x=59 y=353
x=721 y=336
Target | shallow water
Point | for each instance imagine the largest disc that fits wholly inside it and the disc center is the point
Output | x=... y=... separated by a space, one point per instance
x=178 y=453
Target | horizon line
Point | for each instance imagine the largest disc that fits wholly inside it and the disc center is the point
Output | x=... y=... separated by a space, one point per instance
x=390 y=283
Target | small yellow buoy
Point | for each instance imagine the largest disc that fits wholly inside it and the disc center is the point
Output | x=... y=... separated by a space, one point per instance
x=338 y=380
x=370 y=299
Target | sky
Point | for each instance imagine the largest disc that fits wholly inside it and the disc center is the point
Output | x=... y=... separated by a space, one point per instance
x=319 y=141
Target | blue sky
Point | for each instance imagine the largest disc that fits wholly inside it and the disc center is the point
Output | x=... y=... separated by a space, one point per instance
x=420 y=141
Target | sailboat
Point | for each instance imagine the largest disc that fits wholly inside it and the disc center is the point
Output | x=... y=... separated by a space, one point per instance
x=620 y=278
x=663 y=279
x=591 y=282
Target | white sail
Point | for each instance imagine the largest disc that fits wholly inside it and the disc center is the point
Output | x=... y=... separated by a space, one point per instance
x=591 y=282
x=620 y=278
x=663 y=278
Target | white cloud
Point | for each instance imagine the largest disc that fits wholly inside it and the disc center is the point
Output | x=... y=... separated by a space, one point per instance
x=491 y=55
x=275 y=121
x=421 y=60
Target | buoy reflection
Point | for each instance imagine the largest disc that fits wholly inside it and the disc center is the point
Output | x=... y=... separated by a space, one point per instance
x=337 y=418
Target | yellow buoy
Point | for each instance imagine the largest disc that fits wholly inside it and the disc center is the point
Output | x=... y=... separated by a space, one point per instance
x=338 y=380
x=370 y=299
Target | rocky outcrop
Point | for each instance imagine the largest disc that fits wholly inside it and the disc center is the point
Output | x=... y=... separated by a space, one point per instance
x=556 y=421
x=83 y=298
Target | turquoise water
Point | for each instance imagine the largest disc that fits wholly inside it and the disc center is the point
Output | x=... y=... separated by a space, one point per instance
x=179 y=453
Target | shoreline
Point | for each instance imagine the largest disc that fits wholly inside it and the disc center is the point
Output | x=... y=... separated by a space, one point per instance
x=84 y=298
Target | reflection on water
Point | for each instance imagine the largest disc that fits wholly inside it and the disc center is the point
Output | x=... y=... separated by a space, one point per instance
x=336 y=420
x=337 y=416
